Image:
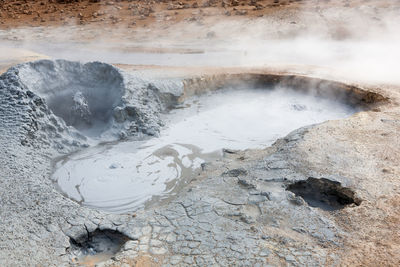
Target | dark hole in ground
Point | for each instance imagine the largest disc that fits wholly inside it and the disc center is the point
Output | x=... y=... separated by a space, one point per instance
x=324 y=193
x=97 y=246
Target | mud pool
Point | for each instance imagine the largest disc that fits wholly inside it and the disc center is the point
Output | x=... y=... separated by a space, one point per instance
x=123 y=176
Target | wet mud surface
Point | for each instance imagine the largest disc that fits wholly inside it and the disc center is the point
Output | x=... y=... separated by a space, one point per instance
x=122 y=177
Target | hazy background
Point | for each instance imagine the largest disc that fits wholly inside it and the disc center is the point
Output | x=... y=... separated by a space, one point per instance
x=356 y=43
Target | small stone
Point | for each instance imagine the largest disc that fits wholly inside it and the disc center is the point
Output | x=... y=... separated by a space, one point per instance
x=264 y=253
x=235 y=172
x=246 y=183
x=113 y=166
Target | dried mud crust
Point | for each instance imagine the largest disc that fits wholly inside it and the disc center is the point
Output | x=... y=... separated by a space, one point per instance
x=134 y=14
x=254 y=223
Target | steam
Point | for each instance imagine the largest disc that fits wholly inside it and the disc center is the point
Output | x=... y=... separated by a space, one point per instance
x=355 y=43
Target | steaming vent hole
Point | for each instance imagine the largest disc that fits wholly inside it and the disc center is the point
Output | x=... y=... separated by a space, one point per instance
x=97 y=246
x=324 y=193
x=84 y=96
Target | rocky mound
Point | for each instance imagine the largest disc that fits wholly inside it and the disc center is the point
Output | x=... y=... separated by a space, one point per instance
x=72 y=104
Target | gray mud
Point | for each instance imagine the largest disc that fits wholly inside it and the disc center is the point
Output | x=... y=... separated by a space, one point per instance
x=235 y=212
x=122 y=177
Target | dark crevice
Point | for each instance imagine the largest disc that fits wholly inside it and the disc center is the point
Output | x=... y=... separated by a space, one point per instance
x=99 y=242
x=324 y=193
